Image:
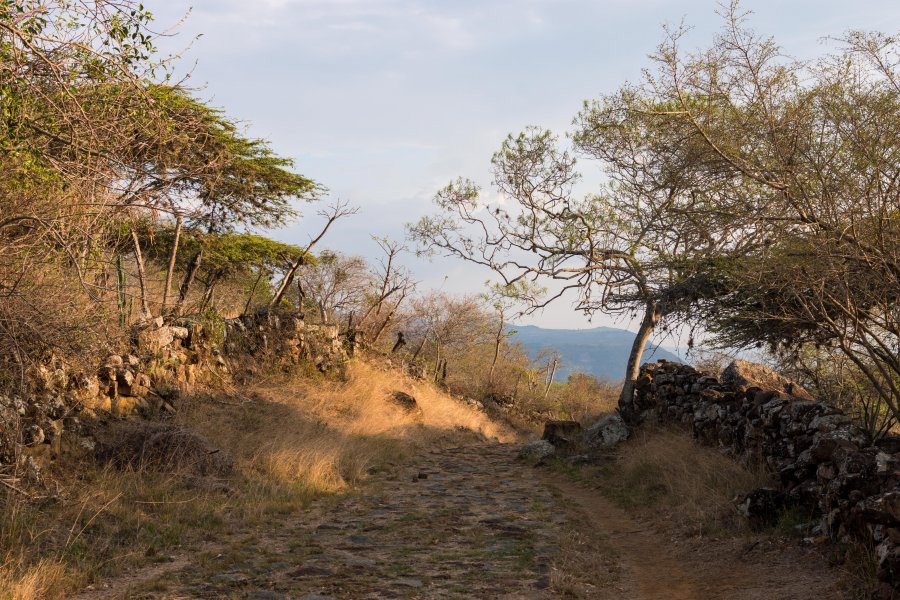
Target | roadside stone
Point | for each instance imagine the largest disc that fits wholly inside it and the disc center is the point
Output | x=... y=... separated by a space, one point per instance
x=562 y=434
x=607 y=432
x=538 y=450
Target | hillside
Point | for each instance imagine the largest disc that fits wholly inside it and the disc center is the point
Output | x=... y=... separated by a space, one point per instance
x=601 y=351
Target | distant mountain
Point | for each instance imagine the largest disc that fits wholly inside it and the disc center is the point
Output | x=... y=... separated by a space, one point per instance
x=602 y=351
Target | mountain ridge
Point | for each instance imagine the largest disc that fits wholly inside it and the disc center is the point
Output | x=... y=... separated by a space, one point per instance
x=599 y=351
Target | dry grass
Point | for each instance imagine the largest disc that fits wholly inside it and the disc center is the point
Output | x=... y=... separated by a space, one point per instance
x=291 y=441
x=324 y=436
x=45 y=579
x=666 y=471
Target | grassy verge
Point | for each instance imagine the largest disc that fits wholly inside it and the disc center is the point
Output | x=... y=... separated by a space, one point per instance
x=664 y=474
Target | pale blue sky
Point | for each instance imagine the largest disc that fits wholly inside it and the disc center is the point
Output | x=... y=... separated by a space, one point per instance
x=385 y=101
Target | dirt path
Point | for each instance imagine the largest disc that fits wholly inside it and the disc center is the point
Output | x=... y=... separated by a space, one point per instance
x=473 y=522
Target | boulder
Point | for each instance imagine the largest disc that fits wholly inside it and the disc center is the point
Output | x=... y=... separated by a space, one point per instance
x=607 y=432
x=404 y=401
x=562 y=434
x=113 y=360
x=538 y=450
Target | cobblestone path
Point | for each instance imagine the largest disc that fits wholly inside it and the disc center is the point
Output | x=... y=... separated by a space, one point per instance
x=472 y=522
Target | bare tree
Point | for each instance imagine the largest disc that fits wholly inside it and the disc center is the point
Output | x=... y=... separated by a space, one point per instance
x=336 y=211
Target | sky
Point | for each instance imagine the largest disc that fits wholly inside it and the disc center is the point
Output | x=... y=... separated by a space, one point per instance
x=386 y=101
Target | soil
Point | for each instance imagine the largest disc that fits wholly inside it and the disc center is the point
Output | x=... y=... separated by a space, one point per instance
x=474 y=522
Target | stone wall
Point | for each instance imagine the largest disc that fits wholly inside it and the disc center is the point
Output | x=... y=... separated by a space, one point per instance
x=163 y=359
x=820 y=460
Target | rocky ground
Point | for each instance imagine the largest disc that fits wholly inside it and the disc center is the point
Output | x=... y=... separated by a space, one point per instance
x=475 y=522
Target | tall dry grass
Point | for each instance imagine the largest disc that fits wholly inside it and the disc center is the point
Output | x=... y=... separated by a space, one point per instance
x=666 y=472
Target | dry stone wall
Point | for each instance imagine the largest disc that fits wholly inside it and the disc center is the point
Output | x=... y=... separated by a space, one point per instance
x=163 y=359
x=820 y=460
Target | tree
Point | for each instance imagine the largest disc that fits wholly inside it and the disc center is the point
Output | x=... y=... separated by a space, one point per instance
x=336 y=284
x=616 y=250
x=799 y=162
x=449 y=325
x=502 y=301
x=228 y=257
x=394 y=283
x=336 y=211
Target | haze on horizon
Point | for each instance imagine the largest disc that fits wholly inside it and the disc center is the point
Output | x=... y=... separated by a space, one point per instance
x=385 y=101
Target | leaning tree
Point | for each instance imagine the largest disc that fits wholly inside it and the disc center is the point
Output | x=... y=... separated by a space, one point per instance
x=619 y=251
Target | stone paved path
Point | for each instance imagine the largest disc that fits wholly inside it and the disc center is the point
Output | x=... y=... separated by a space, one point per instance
x=468 y=522
x=471 y=522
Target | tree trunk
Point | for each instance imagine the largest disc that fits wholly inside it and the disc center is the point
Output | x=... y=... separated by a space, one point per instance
x=120 y=289
x=171 y=270
x=301 y=297
x=419 y=349
x=145 y=306
x=437 y=363
x=387 y=320
x=253 y=290
x=208 y=296
x=286 y=282
x=553 y=366
x=651 y=318
x=188 y=280
x=497 y=341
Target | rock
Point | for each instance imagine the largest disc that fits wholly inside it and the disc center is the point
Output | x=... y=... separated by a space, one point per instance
x=179 y=333
x=742 y=374
x=113 y=360
x=607 y=432
x=403 y=400
x=538 y=450
x=54 y=430
x=125 y=377
x=563 y=434
x=153 y=340
x=33 y=435
x=761 y=507
x=889 y=443
x=163 y=448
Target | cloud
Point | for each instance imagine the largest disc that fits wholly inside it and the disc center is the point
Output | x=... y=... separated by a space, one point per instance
x=400 y=28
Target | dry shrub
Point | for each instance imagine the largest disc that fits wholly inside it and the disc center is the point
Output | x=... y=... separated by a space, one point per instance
x=162 y=448
x=666 y=470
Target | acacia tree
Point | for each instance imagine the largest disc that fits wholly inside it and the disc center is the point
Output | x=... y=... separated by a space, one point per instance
x=64 y=70
x=96 y=140
x=208 y=175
